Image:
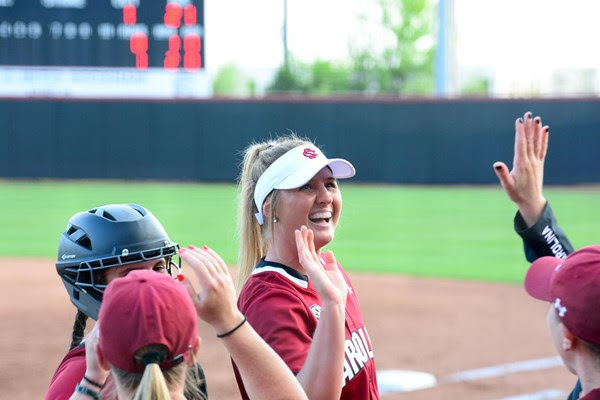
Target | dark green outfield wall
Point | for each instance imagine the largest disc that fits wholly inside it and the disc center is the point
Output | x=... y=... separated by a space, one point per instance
x=388 y=141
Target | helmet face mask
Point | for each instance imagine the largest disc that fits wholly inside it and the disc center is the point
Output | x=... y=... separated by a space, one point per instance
x=90 y=274
x=107 y=237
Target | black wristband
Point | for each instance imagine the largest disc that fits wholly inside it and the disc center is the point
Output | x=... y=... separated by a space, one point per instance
x=88 y=392
x=91 y=382
x=222 y=335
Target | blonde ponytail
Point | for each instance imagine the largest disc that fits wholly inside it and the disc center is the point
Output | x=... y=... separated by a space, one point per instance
x=253 y=236
x=153 y=385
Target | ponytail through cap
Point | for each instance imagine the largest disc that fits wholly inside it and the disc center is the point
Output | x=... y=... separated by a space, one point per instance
x=152 y=357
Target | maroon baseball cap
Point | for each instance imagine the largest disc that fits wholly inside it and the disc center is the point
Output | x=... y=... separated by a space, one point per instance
x=145 y=308
x=572 y=285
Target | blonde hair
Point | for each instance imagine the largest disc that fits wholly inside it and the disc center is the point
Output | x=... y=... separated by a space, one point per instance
x=253 y=236
x=153 y=383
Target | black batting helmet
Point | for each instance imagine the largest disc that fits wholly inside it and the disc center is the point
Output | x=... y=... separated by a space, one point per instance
x=105 y=237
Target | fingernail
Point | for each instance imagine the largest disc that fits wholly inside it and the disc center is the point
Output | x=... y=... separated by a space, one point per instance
x=521 y=120
x=529 y=115
x=181 y=250
x=204 y=247
x=180 y=277
x=498 y=167
x=537 y=121
x=191 y=247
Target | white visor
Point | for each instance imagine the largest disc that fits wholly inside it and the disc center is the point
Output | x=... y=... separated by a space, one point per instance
x=294 y=169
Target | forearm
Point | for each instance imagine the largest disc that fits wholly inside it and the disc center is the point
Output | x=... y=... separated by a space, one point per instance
x=544 y=237
x=531 y=210
x=322 y=373
x=263 y=372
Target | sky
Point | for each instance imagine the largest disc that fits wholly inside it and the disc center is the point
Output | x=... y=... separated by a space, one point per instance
x=543 y=32
x=517 y=40
x=251 y=36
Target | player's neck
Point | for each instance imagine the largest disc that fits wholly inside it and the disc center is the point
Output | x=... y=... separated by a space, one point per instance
x=588 y=372
x=287 y=258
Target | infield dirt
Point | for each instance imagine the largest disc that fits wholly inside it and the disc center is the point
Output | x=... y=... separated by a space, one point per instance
x=431 y=325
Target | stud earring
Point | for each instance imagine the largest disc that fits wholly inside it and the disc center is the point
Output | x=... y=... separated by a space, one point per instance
x=566 y=344
x=275 y=220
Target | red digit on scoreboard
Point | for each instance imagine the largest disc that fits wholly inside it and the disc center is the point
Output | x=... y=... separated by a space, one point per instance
x=192 y=43
x=129 y=14
x=138 y=44
x=190 y=15
x=172 y=56
x=173 y=12
x=191 y=48
x=141 y=61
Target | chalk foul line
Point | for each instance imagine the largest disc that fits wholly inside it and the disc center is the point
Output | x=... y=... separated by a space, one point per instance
x=397 y=381
x=503 y=369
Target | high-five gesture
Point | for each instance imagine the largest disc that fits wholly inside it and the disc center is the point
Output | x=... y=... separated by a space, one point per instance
x=264 y=373
x=216 y=300
x=328 y=340
x=322 y=271
x=523 y=184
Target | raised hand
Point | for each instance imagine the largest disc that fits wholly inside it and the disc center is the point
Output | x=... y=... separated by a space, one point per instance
x=523 y=184
x=216 y=300
x=323 y=273
x=94 y=368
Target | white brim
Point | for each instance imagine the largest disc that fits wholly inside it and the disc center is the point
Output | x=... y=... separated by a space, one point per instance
x=340 y=169
x=295 y=168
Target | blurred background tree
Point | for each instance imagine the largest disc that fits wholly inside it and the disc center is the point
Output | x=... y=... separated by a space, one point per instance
x=321 y=78
x=229 y=81
x=395 y=55
x=398 y=58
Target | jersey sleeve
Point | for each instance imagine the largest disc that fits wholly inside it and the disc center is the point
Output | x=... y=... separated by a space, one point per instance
x=544 y=238
x=283 y=321
x=68 y=374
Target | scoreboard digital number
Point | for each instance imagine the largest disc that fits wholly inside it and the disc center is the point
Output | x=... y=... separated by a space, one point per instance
x=95 y=49
x=103 y=33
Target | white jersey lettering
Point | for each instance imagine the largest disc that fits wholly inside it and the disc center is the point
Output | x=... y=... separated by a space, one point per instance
x=552 y=241
x=351 y=356
x=358 y=351
x=360 y=348
x=363 y=331
x=348 y=373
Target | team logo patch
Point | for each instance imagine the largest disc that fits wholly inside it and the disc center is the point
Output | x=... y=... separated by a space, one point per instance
x=310 y=153
x=316 y=310
x=560 y=309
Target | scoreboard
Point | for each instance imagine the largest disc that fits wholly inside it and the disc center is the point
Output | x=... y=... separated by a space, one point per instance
x=102 y=48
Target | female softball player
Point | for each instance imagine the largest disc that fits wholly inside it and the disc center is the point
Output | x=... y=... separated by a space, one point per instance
x=534 y=222
x=98 y=246
x=147 y=335
x=289 y=194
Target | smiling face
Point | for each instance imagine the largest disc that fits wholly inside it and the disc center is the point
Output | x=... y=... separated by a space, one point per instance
x=317 y=204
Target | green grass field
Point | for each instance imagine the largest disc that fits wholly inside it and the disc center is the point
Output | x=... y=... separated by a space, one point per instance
x=448 y=231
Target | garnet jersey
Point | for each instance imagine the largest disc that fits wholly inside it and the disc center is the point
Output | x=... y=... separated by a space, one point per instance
x=72 y=368
x=283 y=307
x=68 y=374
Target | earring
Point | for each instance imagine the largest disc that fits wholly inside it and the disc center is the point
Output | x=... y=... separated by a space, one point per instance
x=566 y=344
x=275 y=220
